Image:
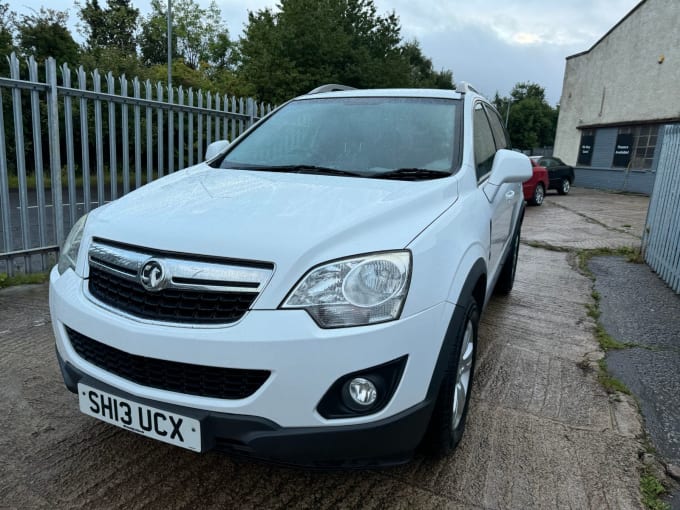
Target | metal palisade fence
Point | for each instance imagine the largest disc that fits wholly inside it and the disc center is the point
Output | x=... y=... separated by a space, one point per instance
x=661 y=240
x=72 y=140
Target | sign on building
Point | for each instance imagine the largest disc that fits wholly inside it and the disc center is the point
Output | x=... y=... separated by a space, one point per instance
x=623 y=149
x=586 y=150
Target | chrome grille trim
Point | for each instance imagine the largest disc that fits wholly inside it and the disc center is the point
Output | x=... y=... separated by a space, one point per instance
x=183 y=274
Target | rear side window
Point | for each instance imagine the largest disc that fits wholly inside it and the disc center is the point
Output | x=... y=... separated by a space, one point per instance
x=499 y=134
x=485 y=146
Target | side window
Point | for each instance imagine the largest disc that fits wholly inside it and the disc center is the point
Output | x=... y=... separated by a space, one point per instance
x=499 y=133
x=547 y=162
x=485 y=147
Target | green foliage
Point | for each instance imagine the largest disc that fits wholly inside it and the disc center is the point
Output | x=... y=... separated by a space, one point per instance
x=532 y=121
x=284 y=51
x=6 y=23
x=305 y=43
x=45 y=34
x=423 y=74
x=182 y=75
x=22 y=279
x=199 y=36
x=115 y=60
x=111 y=28
x=652 y=490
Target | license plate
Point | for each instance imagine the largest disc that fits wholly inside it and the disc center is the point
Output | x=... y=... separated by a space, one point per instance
x=148 y=421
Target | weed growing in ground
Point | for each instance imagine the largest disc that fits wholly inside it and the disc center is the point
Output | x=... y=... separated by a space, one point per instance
x=22 y=279
x=610 y=383
x=652 y=490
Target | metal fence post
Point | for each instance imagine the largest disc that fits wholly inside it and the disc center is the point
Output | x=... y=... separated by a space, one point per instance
x=4 y=192
x=250 y=110
x=55 y=155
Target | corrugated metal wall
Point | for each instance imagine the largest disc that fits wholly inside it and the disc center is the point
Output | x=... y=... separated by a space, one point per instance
x=661 y=240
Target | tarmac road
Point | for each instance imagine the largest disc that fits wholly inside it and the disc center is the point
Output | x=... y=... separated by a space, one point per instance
x=638 y=308
x=542 y=433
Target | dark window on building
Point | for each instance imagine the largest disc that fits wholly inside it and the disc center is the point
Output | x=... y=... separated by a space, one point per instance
x=585 y=152
x=643 y=143
x=485 y=147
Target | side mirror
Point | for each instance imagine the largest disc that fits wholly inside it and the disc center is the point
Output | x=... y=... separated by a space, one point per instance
x=215 y=148
x=510 y=166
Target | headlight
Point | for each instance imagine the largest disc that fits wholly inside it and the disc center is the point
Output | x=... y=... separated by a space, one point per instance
x=355 y=291
x=68 y=255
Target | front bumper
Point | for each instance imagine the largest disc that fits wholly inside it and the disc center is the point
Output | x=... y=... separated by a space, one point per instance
x=385 y=442
x=304 y=360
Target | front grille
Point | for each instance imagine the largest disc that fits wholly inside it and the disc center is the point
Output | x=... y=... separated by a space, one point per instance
x=168 y=305
x=203 y=381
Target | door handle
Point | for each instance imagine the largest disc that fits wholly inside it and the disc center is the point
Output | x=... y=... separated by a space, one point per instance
x=510 y=195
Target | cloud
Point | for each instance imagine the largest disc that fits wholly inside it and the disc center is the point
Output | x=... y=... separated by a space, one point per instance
x=570 y=22
x=496 y=43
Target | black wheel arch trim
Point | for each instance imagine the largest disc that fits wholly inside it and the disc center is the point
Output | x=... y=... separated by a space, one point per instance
x=477 y=271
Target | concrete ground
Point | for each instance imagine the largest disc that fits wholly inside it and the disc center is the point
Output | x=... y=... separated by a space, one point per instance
x=542 y=432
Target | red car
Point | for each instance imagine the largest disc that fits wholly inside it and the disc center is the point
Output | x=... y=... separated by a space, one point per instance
x=534 y=188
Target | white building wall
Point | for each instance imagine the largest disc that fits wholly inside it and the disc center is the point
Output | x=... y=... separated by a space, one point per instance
x=620 y=79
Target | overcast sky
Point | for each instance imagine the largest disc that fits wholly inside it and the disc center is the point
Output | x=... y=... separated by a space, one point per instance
x=492 y=44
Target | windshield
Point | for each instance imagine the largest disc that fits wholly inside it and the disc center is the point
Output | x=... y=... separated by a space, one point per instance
x=366 y=136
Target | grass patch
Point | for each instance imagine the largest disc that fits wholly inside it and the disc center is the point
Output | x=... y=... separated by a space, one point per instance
x=604 y=339
x=22 y=279
x=629 y=253
x=546 y=246
x=610 y=383
x=608 y=342
x=652 y=490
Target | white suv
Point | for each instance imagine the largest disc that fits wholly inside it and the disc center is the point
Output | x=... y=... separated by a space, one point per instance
x=311 y=293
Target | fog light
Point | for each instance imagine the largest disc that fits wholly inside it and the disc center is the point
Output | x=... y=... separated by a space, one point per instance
x=362 y=391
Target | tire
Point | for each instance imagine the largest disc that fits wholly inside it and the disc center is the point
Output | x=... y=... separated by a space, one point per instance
x=565 y=187
x=507 y=277
x=538 y=196
x=447 y=423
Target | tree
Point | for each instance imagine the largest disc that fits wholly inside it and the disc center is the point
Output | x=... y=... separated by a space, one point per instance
x=531 y=121
x=112 y=27
x=199 y=36
x=6 y=23
x=423 y=74
x=45 y=34
x=304 y=43
x=6 y=37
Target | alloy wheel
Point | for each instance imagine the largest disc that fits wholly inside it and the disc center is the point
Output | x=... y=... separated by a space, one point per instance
x=463 y=373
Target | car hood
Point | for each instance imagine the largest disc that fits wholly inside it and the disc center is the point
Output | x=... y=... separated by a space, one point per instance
x=292 y=220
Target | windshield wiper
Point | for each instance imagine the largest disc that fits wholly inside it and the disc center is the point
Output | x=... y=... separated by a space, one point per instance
x=295 y=169
x=309 y=169
x=412 y=174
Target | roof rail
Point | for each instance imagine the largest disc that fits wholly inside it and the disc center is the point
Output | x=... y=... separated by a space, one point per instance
x=330 y=87
x=465 y=87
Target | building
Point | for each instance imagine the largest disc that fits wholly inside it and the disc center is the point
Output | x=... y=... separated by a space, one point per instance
x=617 y=97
